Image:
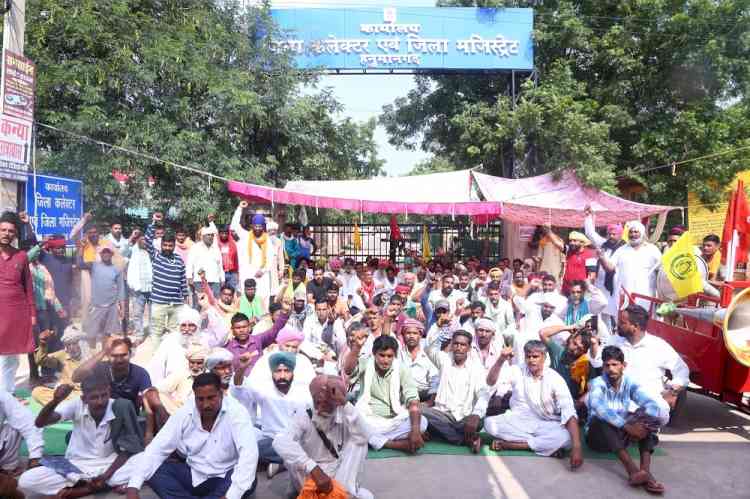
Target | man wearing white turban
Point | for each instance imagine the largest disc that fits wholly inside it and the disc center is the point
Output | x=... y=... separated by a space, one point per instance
x=65 y=361
x=635 y=264
x=204 y=265
x=170 y=356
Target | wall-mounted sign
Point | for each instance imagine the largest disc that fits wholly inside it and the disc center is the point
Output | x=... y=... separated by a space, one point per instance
x=55 y=204
x=438 y=38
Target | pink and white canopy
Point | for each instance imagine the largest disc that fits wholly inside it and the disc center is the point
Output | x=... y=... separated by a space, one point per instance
x=542 y=199
x=527 y=201
x=448 y=193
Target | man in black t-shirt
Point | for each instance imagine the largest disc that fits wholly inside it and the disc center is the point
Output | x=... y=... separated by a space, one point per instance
x=317 y=289
x=128 y=381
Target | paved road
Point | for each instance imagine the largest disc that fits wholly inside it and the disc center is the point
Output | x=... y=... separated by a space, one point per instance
x=707 y=458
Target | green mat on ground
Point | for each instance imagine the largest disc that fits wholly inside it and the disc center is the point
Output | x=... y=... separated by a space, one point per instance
x=54 y=436
x=446 y=449
x=55 y=445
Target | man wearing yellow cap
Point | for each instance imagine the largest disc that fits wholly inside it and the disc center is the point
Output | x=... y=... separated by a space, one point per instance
x=575 y=260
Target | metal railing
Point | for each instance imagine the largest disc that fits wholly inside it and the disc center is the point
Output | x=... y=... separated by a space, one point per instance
x=459 y=240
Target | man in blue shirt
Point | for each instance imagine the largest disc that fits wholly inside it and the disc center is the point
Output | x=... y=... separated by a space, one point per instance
x=613 y=424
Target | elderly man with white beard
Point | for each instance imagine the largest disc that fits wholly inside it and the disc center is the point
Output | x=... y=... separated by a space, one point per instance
x=326 y=446
x=635 y=264
x=175 y=389
x=219 y=362
x=170 y=357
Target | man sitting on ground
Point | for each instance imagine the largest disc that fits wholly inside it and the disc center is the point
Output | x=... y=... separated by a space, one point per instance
x=572 y=361
x=17 y=423
x=211 y=433
x=612 y=427
x=243 y=342
x=278 y=403
x=127 y=380
x=288 y=340
x=170 y=356
x=388 y=398
x=221 y=362
x=328 y=443
x=542 y=417
x=175 y=389
x=105 y=437
x=413 y=356
x=462 y=395
x=65 y=361
x=648 y=357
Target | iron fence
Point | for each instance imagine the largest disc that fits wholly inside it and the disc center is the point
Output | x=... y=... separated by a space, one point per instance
x=460 y=240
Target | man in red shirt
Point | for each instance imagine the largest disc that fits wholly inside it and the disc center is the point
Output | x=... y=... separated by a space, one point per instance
x=228 y=249
x=17 y=308
x=575 y=260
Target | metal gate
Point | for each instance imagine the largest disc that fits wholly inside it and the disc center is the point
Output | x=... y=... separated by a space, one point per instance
x=458 y=240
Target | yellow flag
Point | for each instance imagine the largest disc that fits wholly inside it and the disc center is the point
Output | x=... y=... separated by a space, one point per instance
x=289 y=292
x=681 y=266
x=426 y=249
x=625 y=233
x=357 y=238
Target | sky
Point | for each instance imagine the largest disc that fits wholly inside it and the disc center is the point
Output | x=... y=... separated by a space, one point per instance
x=363 y=96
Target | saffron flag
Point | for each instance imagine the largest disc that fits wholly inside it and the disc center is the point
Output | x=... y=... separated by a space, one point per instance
x=357 y=238
x=735 y=239
x=681 y=266
x=426 y=249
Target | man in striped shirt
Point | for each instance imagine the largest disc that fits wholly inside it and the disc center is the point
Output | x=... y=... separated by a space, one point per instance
x=169 y=290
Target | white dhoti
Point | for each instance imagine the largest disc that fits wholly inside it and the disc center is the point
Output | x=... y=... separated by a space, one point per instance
x=10 y=444
x=544 y=437
x=43 y=481
x=396 y=428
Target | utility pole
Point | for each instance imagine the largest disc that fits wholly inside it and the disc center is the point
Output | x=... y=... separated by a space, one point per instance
x=14 y=27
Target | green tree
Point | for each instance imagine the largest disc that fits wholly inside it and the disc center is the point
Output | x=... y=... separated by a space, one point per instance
x=620 y=88
x=193 y=82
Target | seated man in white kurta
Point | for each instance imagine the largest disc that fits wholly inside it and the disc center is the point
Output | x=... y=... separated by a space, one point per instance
x=213 y=435
x=328 y=443
x=542 y=417
x=388 y=398
x=105 y=436
x=16 y=424
x=277 y=402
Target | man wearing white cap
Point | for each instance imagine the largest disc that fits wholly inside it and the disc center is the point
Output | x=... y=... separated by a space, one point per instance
x=177 y=387
x=635 y=264
x=107 y=297
x=204 y=260
x=170 y=355
x=219 y=362
x=65 y=361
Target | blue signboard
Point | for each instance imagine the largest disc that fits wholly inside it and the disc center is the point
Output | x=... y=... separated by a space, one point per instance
x=407 y=38
x=54 y=204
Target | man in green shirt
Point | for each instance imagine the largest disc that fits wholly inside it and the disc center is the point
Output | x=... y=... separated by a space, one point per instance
x=388 y=398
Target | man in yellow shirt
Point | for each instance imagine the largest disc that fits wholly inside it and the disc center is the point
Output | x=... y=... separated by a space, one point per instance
x=65 y=361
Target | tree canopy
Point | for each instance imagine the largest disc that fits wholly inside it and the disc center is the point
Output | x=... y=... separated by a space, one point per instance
x=620 y=88
x=188 y=81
